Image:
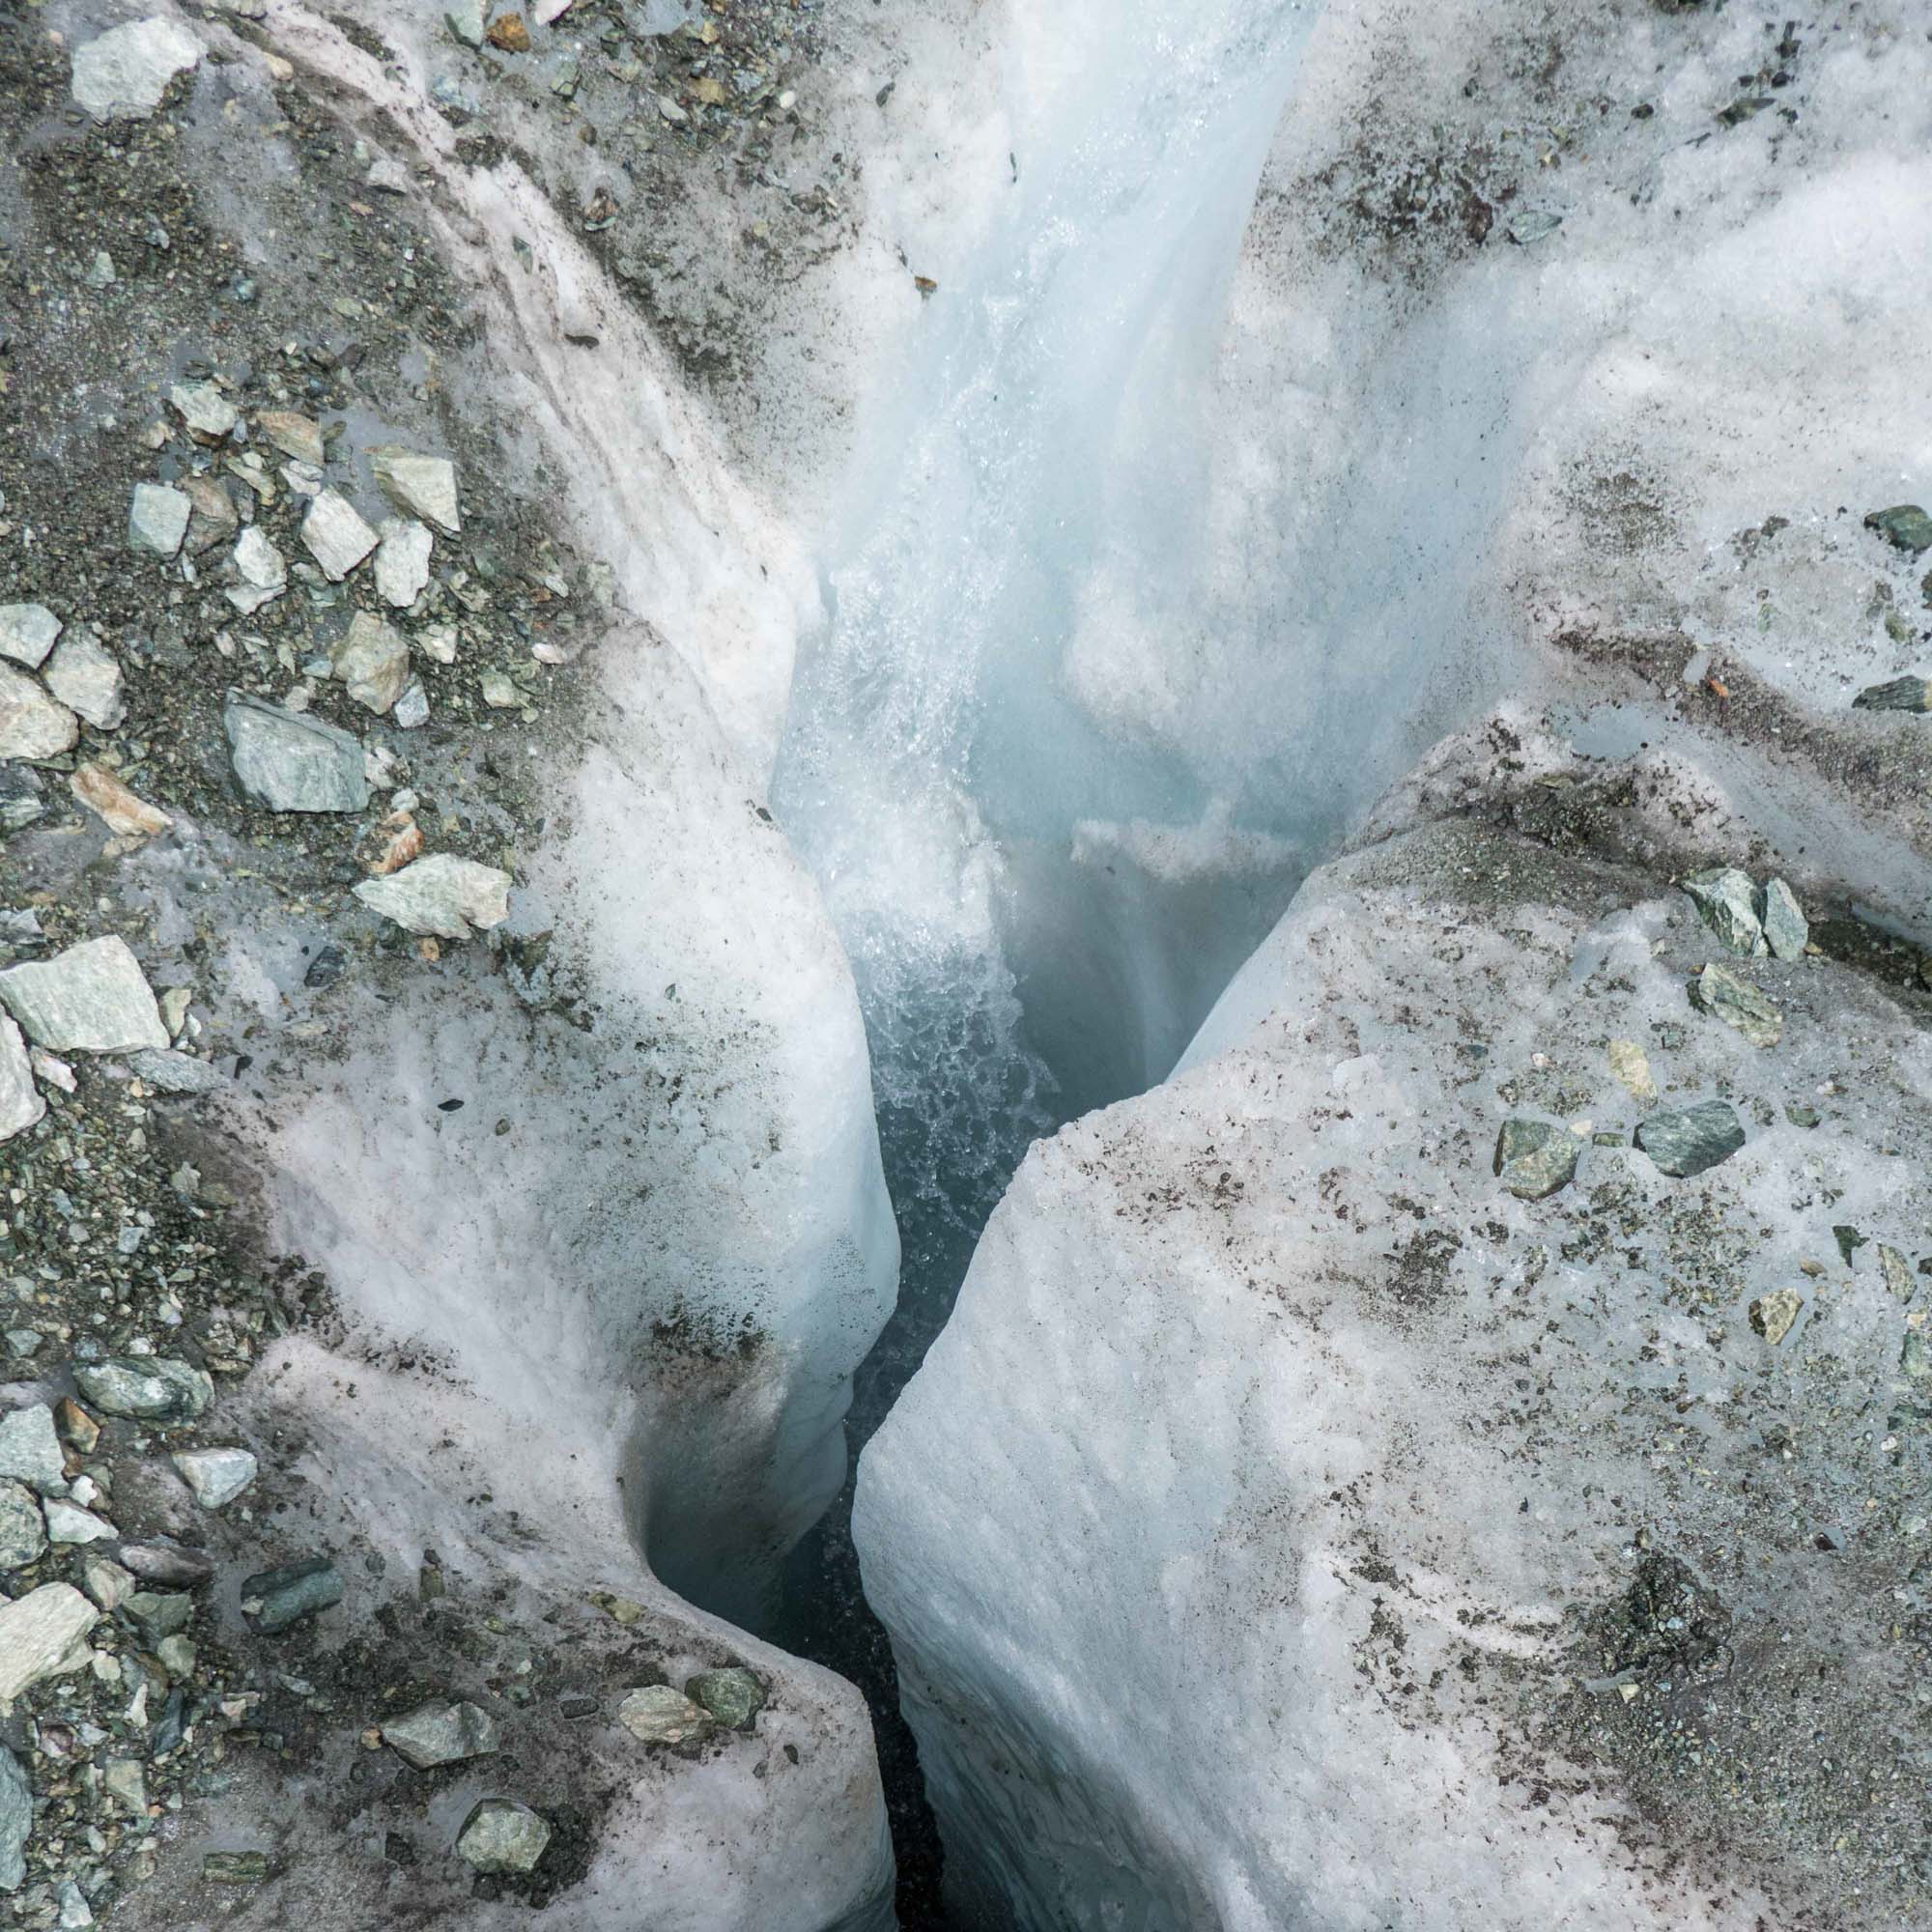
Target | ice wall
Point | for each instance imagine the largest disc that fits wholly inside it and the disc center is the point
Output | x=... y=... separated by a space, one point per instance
x=973 y=822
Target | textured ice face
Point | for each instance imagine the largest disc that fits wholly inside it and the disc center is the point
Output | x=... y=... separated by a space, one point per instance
x=1277 y=1533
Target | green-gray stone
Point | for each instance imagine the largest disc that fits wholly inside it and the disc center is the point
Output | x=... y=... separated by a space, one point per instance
x=734 y=1697
x=293 y=1591
x=1897 y=1272
x=1688 y=1140
x=1801 y=1116
x=1727 y=900
x=1914 y=1356
x=1786 y=930
x=156 y=1388
x=159 y=1614
x=235 y=1867
x=1906 y=525
x=441 y=1734
x=1902 y=694
x=1732 y=998
x=1534 y=1159
x=16 y=1820
x=1849 y=1240
x=502 y=1837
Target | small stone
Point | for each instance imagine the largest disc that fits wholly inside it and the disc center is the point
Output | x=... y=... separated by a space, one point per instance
x=235 y=1867
x=93 y=998
x=115 y=806
x=294 y=434
x=502 y=1837
x=84 y=675
x=16 y=1820
x=412 y=710
x=1631 y=1065
x=23 y=1534
x=212 y=518
x=20 y=1102
x=1727 y=899
x=27 y=633
x=1732 y=998
x=372 y=660
x=284 y=1595
x=156 y=1388
x=76 y=1427
x=23 y=1343
x=1786 y=931
x=658 y=1714
x=68 y=1522
x=51 y=1071
x=75 y=1915
x=165 y=1563
x=1686 y=1140
x=418 y=485
x=158 y=518
x=1915 y=1355
x=442 y=1733
x=734 y=1696
x=177 y=1655
x=1772 y=1315
x=33 y=726
x=291 y=763
x=1905 y=525
x=390 y=846
x=101 y=271
x=107 y=1583
x=401 y=561
x=1534 y=1159
x=260 y=572
x=208 y=413
x=174 y=1004
x=499 y=693
x=1902 y=694
x=217 y=1476
x=1897 y=1273
x=335 y=536
x=1800 y=1115
x=175 y=1072
x=443 y=895
x=508 y=32
x=30 y=1452
x=123 y=74
x=465 y=19
x=161 y=1614
x=43 y=1635
x=438 y=642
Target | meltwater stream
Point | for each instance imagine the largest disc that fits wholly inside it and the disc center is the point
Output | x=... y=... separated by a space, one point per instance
x=1039 y=907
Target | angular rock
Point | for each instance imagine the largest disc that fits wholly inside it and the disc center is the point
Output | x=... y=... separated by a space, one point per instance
x=401 y=561
x=27 y=633
x=84 y=675
x=372 y=660
x=16 y=1821
x=20 y=1102
x=165 y=1563
x=734 y=1697
x=106 y=1583
x=465 y=19
x=158 y=518
x=212 y=516
x=175 y=1073
x=23 y=1534
x=1732 y=998
x=1905 y=525
x=205 y=410
x=442 y=895
x=294 y=434
x=122 y=74
x=335 y=536
x=161 y=1614
x=412 y=707
x=30 y=1451
x=1902 y=694
x=32 y=725
x=502 y=1837
x=1688 y=1140
x=418 y=485
x=1631 y=1065
x=1786 y=930
x=156 y=1388
x=123 y=1778
x=658 y=1714
x=1772 y=1315
x=261 y=576
x=115 y=806
x=93 y=998
x=1534 y=1159
x=43 y=1635
x=217 y=1476
x=1728 y=901
x=1896 y=1271
x=68 y=1522
x=292 y=1591
x=442 y=1733
x=291 y=763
